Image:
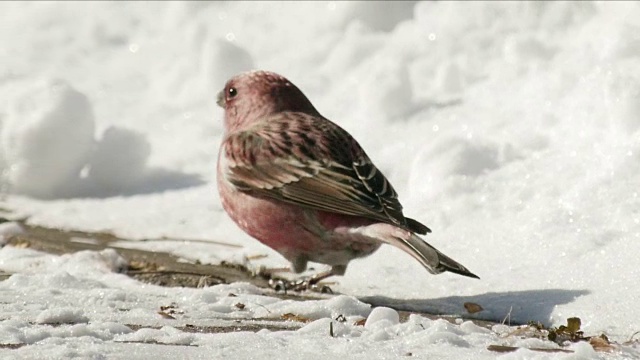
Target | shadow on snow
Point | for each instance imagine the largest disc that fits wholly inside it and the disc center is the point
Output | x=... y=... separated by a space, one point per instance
x=517 y=307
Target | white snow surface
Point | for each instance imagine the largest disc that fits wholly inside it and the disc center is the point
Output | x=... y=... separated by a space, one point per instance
x=511 y=129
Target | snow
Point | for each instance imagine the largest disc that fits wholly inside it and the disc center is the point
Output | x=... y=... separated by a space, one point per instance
x=384 y=315
x=510 y=129
x=59 y=119
x=9 y=229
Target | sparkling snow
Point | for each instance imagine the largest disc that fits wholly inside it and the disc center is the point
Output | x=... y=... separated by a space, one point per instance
x=510 y=129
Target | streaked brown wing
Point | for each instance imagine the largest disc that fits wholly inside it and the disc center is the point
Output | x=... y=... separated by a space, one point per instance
x=309 y=161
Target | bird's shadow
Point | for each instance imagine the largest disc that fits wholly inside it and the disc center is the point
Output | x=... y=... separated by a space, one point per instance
x=517 y=307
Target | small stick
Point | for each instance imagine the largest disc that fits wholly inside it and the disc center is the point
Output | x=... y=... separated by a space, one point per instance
x=508 y=316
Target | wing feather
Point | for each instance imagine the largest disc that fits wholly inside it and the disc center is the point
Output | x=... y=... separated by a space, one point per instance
x=303 y=160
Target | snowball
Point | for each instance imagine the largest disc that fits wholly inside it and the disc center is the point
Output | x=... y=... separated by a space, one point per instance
x=382 y=313
x=119 y=160
x=46 y=138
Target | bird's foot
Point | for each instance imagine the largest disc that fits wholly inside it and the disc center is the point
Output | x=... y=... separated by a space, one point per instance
x=308 y=284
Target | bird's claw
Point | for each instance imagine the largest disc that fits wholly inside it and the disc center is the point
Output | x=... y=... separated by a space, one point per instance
x=310 y=284
x=278 y=285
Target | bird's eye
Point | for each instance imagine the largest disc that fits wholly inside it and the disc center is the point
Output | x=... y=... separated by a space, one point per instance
x=232 y=92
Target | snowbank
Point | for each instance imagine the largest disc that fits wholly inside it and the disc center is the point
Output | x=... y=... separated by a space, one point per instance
x=511 y=129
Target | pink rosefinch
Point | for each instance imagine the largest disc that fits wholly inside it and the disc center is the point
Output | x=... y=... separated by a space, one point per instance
x=303 y=186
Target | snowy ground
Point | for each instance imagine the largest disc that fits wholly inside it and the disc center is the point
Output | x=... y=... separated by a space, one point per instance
x=510 y=129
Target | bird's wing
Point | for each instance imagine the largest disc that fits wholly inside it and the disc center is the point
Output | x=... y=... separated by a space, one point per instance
x=310 y=161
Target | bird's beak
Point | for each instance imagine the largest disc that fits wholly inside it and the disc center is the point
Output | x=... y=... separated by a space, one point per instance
x=220 y=99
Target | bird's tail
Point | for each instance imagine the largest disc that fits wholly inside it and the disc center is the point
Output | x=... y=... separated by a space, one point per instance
x=432 y=259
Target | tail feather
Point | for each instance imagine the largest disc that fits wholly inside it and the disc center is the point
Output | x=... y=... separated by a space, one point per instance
x=417 y=227
x=432 y=259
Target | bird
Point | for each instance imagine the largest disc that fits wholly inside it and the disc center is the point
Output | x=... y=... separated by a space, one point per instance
x=302 y=185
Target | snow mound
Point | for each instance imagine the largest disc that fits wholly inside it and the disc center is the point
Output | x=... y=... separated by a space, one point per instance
x=47 y=138
x=48 y=148
x=382 y=314
x=61 y=316
x=118 y=160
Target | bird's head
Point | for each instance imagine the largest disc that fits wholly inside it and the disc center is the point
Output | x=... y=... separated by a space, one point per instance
x=251 y=96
